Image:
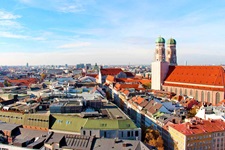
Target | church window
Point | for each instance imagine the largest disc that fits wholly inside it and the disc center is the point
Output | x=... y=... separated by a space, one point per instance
x=202 y=96
x=217 y=98
x=196 y=94
x=170 y=89
x=208 y=97
x=180 y=91
x=185 y=91
x=191 y=92
x=176 y=90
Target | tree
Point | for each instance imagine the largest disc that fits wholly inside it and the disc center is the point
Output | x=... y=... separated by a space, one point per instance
x=192 y=112
x=147 y=85
x=153 y=138
x=6 y=83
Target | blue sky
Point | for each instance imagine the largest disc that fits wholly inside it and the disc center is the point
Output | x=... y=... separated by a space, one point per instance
x=109 y=31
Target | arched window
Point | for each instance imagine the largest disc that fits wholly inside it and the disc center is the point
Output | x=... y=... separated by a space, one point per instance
x=170 y=89
x=180 y=91
x=196 y=94
x=202 y=96
x=191 y=92
x=176 y=90
x=185 y=91
x=217 y=98
x=208 y=97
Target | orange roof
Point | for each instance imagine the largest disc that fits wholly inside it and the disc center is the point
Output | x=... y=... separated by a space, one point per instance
x=110 y=78
x=124 y=91
x=200 y=126
x=119 y=86
x=134 y=80
x=145 y=81
x=111 y=71
x=205 y=75
x=137 y=99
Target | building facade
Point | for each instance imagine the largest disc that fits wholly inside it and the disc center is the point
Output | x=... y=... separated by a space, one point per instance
x=199 y=134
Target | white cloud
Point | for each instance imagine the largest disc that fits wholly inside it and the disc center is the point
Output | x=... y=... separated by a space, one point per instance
x=38 y=38
x=74 y=45
x=64 y=6
x=7 y=15
x=11 y=35
x=8 y=24
x=71 y=7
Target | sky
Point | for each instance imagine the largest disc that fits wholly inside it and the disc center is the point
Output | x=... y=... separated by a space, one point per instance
x=109 y=32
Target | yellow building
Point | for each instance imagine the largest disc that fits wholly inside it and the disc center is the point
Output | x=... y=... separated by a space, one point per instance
x=199 y=135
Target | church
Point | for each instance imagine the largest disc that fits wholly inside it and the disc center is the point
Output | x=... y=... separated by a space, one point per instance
x=204 y=83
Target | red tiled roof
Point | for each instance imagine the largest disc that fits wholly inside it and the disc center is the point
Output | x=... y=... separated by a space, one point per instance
x=189 y=103
x=26 y=81
x=201 y=126
x=204 y=75
x=111 y=71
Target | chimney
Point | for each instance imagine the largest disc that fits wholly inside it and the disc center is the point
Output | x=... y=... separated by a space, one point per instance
x=124 y=144
x=188 y=125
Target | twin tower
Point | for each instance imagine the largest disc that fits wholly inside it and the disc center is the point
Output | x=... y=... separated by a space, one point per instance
x=160 y=66
x=170 y=55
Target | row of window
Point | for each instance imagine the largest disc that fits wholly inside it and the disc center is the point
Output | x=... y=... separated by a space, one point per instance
x=200 y=148
x=130 y=134
x=4 y=116
x=196 y=94
x=218 y=134
x=199 y=137
x=40 y=120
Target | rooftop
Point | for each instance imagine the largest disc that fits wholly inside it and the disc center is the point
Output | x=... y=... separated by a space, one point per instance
x=196 y=77
x=199 y=126
x=104 y=144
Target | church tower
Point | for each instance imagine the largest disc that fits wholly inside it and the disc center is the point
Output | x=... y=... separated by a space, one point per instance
x=160 y=49
x=171 y=56
x=159 y=67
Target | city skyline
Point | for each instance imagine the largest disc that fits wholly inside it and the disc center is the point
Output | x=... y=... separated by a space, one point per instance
x=116 y=32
